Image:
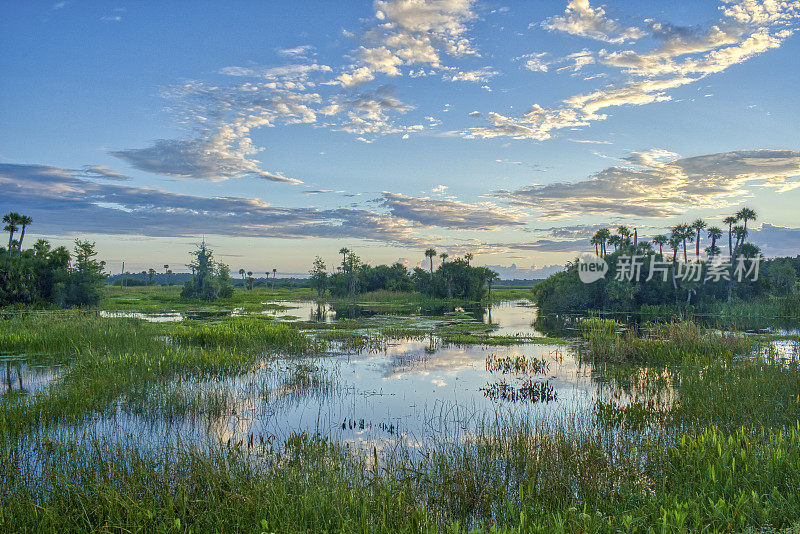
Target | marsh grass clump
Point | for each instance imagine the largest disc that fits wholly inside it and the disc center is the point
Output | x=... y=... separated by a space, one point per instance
x=355 y=342
x=516 y=363
x=605 y=340
x=246 y=333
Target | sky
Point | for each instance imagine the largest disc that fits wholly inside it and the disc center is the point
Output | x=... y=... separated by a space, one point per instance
x=279 y=131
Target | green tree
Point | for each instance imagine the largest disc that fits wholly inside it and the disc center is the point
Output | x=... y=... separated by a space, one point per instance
x=86 y=277
x=660 y=240
x=210 y=280
x=319 y=276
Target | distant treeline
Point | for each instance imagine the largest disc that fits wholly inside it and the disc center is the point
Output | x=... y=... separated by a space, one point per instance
x=46 y=275
x=143 y=279
x=517 y=283
x=451 y=279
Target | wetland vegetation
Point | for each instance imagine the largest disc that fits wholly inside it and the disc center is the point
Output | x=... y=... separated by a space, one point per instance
x=274 y=410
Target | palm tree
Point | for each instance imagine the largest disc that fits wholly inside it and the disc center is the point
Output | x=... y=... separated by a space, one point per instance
x=684 y=233
x=614 y=240
x=714 y=233
x=660 y=240
x=595 y=241
x=644 y=247
x=746 y=214
x=468 y=256
x=343 y=251
x=675 y=245
x=241 y=273
x=23 y=220
x=11 y=220
x=698 y=225
x=444 y=256
x=730 y=221
x=430 y=254
x=604 y=235
x=274 y=274
x=741 y=234
x=624 y=235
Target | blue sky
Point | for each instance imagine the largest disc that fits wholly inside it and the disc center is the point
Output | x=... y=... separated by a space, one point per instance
x=281 y=131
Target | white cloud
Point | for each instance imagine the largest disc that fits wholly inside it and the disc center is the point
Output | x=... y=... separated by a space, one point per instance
x=413 y=32
x=658 y=184
x=582 y=20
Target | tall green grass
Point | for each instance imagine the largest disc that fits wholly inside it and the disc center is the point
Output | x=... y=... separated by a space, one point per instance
x=246 y=334
x=607 y=340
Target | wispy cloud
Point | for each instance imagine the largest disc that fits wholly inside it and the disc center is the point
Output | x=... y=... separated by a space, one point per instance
x=450 y=213
x=58 y=198
x=684 y=56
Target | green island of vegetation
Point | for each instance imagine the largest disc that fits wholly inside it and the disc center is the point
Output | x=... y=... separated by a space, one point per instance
x=661 y=406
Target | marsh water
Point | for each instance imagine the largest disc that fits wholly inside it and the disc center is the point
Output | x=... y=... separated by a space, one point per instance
x=406 y=390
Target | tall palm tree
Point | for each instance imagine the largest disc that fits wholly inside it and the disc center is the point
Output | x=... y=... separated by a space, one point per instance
x=11 y=220
x=343 y=251
x=468 y=256
x=746 y=214
x=684 y=233
x=23 y=221
x=730 y=221
x=596 y=242
x=430 y=253
x=698 y=225
x=444 y=256
x=241 y=272
x=274 y=274
x=714 y=233
x=603 y=234
x=660 y=240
